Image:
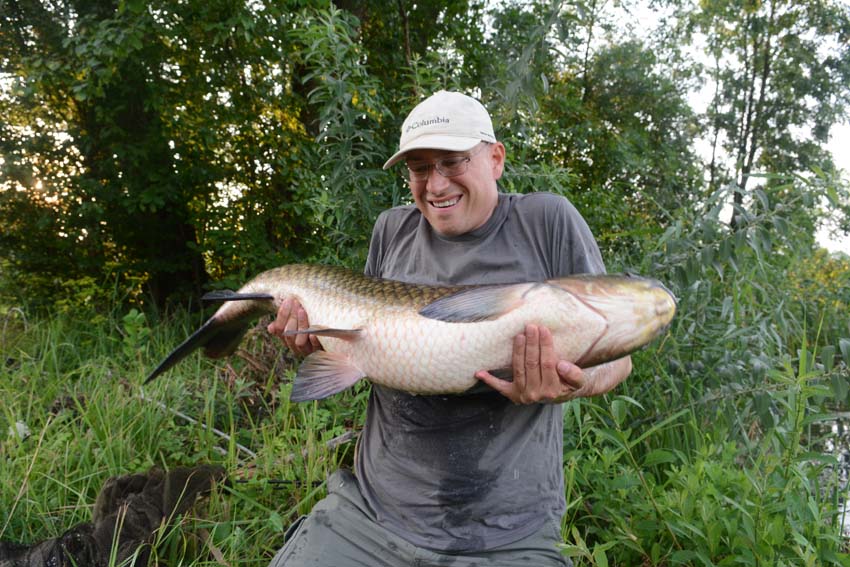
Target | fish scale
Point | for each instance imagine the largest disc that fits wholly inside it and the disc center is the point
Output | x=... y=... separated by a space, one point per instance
x=431 y=339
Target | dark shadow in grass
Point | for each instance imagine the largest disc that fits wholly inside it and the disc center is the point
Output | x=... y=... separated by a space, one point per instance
x=128 y=510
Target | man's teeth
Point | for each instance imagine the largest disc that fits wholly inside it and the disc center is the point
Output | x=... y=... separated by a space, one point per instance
x=444 y=204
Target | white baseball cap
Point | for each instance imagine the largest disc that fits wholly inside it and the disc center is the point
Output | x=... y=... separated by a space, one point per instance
x=444 y=121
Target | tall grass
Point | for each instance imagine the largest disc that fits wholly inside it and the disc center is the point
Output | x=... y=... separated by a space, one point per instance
x=72 y=414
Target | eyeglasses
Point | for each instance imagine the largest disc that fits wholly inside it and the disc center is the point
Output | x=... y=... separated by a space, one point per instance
x=451 y=166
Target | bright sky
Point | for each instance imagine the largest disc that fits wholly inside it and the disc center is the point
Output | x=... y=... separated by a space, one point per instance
x=839 y=145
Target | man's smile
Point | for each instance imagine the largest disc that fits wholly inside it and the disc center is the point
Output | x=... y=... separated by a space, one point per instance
x=444 y=204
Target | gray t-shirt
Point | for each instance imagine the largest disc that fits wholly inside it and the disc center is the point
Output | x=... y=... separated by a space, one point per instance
x=470 y=472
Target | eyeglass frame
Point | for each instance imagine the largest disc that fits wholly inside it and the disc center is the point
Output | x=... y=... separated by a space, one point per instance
x=407 y=173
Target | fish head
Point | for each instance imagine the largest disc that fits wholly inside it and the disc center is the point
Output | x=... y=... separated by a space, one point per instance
x=636 y=310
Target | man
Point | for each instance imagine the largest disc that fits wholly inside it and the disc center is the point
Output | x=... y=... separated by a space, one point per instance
x=475 y=479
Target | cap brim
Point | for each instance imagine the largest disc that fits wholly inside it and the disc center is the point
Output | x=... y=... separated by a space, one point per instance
x=434 y=142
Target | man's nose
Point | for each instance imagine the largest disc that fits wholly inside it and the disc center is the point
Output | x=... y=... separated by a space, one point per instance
x=436 y=182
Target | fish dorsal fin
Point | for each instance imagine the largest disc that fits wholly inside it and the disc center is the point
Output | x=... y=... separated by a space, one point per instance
x=229 y=295
x=344 y=334
x=323 y=374
x=484 y=303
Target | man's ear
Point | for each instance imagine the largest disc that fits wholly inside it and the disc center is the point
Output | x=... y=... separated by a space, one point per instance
x=497 y=159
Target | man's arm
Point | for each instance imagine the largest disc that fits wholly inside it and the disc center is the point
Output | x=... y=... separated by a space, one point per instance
x=540 y=377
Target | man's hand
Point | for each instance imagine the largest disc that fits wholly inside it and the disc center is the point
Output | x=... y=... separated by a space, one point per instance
x=540 y=377
x=292 y=317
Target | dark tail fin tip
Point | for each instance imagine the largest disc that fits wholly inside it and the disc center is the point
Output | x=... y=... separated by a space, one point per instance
x=198 y=339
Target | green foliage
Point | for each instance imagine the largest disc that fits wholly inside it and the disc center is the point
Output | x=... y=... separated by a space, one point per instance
x=648 y=499
x=178 y=143
x=149 y=147
x=712 y=453
x=348 y=111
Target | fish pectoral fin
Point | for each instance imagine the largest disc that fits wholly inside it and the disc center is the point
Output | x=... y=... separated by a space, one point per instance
x=324 y=374
x=344 y=334
x=229 y=295
x=477 y=304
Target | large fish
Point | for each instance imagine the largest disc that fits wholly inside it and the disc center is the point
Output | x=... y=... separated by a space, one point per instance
x=430 y=339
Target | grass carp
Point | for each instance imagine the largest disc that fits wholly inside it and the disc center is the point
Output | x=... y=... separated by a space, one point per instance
x=431 y=339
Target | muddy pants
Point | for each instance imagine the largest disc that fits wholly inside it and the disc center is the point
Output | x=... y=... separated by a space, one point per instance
x=340 y=533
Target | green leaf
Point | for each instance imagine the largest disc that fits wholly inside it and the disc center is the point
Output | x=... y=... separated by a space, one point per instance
x=611 y=435
x=707 y=256
x=827 y=357
x=618 y=411
x=817 y=458
x=683 y=556
x=840 y=387
x=781 y=226
x=632 y=401
x=844 y=347
x=832 y=195
x=762 y=197
x=659 y=456
x=600 y=557
x=276 y=522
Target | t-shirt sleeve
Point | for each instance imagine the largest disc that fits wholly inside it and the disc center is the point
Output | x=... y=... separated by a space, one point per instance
x=579 y=253
x=374 y=259
x=563 y=235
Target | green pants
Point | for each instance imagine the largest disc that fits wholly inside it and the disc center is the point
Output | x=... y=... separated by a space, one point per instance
x=340 y=533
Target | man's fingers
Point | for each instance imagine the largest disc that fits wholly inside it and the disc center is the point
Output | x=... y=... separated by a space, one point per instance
x=303 y=339
x=314 y=341
x=277 y=326
x=570 y=374
x=518 y=362
x=532 y=351
x=507 y=389
x=291 y=325
x=292 y=317
x=533 y=377
x=548 y=359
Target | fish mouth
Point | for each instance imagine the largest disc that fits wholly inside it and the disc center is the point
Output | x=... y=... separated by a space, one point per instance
x=666 y=302
x=446 y=203
x=636 y=310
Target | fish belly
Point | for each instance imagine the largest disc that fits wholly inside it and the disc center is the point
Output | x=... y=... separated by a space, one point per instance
x=416 y=354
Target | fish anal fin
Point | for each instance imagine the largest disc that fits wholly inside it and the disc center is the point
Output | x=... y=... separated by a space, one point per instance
x=344 y=334
x=324 y=374
x=477 y=304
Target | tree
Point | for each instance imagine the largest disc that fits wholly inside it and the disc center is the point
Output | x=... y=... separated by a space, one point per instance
x=781 y=69
x=160 y=110
x=605 y=118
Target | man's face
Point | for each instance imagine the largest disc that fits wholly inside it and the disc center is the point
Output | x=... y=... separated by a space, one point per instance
x=457 y=205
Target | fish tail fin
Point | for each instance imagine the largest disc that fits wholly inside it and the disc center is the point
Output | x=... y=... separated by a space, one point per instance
x=222 y=332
